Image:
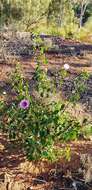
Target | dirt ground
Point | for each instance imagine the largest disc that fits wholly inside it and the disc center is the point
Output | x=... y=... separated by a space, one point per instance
x=41 y=175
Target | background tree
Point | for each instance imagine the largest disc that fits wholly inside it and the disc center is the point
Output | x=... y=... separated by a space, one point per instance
x=10 y=11
x=25 y=12
x=83 y=10
x=61 y=12
x=29 y=15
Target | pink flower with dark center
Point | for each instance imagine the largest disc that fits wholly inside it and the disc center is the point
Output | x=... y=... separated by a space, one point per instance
x=24 y=104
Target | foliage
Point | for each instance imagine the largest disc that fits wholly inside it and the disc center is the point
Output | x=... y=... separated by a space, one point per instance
x=41 y=124
x=43 y=84
x=22 y=14
x=79 y=86
x=86 y=130
x=61 y=12
x=34 y=126
x=19 y=85
x=88 y=24
x=10 y=11
x=84 y=11
x=61 y=17
x=39 y=127
x=84 y=34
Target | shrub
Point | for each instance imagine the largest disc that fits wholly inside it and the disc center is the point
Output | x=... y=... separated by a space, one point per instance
x=39 y=124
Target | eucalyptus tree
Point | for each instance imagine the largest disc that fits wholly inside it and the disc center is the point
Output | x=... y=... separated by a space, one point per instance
x=83 y=9
x=61 y=12
x=24 y=13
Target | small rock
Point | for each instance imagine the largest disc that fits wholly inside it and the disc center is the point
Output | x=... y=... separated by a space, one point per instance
x=79 y=185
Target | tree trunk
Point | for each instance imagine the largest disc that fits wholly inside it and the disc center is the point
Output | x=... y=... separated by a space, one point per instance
x=83 y=9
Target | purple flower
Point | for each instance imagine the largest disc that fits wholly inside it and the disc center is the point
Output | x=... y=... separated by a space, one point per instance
x=24 y=104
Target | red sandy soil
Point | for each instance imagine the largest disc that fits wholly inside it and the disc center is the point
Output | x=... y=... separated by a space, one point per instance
x=14 y=162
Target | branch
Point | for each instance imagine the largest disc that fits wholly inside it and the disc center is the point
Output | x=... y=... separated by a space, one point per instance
x=30 y=23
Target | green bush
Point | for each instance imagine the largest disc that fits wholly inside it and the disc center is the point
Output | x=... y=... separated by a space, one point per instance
x=35 y=122
x=39 y=126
